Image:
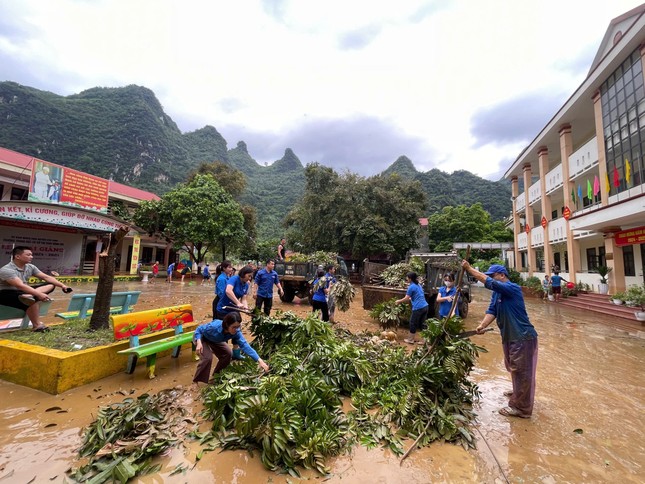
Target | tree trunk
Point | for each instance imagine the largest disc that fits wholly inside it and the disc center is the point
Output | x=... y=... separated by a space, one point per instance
x=101 y=315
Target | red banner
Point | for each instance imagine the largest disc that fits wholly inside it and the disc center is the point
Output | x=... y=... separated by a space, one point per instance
x=630 y=236
x=56 y=184
x=543 y=222
x=527 y=228
x=566 y=213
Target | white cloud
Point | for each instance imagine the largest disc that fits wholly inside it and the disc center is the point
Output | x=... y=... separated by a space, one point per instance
x=425 y=68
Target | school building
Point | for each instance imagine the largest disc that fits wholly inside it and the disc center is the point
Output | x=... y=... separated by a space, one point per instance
x=66 y=216
x=578 y=187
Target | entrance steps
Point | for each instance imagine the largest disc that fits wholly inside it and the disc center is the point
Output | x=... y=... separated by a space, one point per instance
x=600 y=303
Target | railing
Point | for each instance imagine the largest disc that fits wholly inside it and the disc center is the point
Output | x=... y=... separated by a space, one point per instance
x=522 y=241
x=554 y=179
x=625 y=194
x=520 y=202
x=584 y=158
x=537 y=237
x=557 y=230
x=535 y=192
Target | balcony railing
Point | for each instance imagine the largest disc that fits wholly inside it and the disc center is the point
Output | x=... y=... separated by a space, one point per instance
x=520 y=202
x=522 y=241
x=557 y=230
x=554 y=179
x=625 y=194
x=584 y=158
x=537 y=237
x=535 y=192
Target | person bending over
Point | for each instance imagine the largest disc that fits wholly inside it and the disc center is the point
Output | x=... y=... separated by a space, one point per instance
x=212 y=339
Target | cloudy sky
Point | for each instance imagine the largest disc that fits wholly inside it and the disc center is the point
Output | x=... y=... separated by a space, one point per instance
x=352 y=84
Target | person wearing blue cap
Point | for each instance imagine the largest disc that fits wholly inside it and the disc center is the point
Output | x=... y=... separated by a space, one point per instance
x=519 y=338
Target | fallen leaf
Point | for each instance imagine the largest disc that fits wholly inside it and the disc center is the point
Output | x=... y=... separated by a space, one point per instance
x=50 y=425
x=51 y=409
x=578 y=431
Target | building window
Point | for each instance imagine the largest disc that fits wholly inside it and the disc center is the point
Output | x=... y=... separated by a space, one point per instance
x=628 y=260
x=623 y=114
x=18 y=193
x=602 y=261
x=592 y=259
x=554 y=215
x=556 y=260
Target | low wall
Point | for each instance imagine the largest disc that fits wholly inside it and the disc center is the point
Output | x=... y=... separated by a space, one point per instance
x=55 y=371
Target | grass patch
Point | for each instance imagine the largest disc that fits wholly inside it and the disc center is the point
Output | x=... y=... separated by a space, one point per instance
x=66 y=337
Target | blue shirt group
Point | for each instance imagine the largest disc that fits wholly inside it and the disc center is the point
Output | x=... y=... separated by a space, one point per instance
x=444 y=306
x=265 y=281
x=417 y=296
x=214 y=332
x=239 y=289
x=507 y=305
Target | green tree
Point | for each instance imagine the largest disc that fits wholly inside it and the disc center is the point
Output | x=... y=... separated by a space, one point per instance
x=464 y=224
x=230 y=179
x=360 y=216
x=197 y=216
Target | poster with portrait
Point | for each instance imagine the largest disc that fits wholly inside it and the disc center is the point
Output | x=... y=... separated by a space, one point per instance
x=52 y=183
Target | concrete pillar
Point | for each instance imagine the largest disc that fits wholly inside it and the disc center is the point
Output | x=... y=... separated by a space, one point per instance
x=515 y=191
x=602 y=160
x=166 y=255
x=614 y=257
x=528 y=214
x=543 y=166
x=573 y=247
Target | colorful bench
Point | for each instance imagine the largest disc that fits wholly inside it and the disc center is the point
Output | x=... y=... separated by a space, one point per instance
x=140 y=323
x=81 y=305
x=7 y=312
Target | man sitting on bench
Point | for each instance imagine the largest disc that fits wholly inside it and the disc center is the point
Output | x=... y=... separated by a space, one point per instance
x=16 y=293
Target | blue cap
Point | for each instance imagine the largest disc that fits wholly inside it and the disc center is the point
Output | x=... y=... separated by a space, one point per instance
x=496 y=269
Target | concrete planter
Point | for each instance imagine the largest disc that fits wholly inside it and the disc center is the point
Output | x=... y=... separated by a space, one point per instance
x=55 y=371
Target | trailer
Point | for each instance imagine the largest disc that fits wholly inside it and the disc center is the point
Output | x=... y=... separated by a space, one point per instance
x=297 y=277
x=436 y=266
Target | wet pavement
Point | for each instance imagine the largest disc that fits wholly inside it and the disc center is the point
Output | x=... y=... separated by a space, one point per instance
x=587 y=424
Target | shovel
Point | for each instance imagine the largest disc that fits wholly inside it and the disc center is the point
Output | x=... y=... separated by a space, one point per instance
x=468 y=334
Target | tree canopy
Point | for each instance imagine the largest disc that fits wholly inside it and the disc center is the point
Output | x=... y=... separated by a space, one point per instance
x=355 y=215
x=199 y=216
x=464 y=224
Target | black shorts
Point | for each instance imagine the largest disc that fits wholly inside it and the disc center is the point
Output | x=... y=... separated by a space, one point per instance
x=9 y=297
x=557 y=289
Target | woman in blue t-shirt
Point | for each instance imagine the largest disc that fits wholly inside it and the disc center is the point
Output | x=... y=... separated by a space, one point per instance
x=319 y=299
x=417 y=298
x=446 y=295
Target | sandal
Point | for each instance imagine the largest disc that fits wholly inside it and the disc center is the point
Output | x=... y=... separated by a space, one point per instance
x=41 y=329
x=512 y=412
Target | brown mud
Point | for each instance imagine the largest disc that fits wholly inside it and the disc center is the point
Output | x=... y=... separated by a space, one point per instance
x=587 y=424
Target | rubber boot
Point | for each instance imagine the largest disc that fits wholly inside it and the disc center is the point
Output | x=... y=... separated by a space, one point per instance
x=410 y=339
x=237 y=355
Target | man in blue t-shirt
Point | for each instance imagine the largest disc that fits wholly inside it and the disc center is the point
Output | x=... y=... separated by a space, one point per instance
x=265 y=279
x=519 y=338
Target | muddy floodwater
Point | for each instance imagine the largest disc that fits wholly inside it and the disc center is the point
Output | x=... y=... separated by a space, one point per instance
x=587 y=425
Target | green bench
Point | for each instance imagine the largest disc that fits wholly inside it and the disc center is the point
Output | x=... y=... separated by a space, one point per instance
x=7 y=312
x=81 y=305
x=140 y=323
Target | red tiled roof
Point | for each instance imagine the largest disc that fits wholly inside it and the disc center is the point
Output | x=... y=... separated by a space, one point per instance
x=120 y=189
x=25 y=161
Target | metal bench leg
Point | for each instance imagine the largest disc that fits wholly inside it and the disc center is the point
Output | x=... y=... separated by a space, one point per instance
x=132 y=363
x=150 y=365
x=175 y=351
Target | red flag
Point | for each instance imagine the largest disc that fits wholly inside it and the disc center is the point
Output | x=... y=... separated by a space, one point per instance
x=616 y=177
